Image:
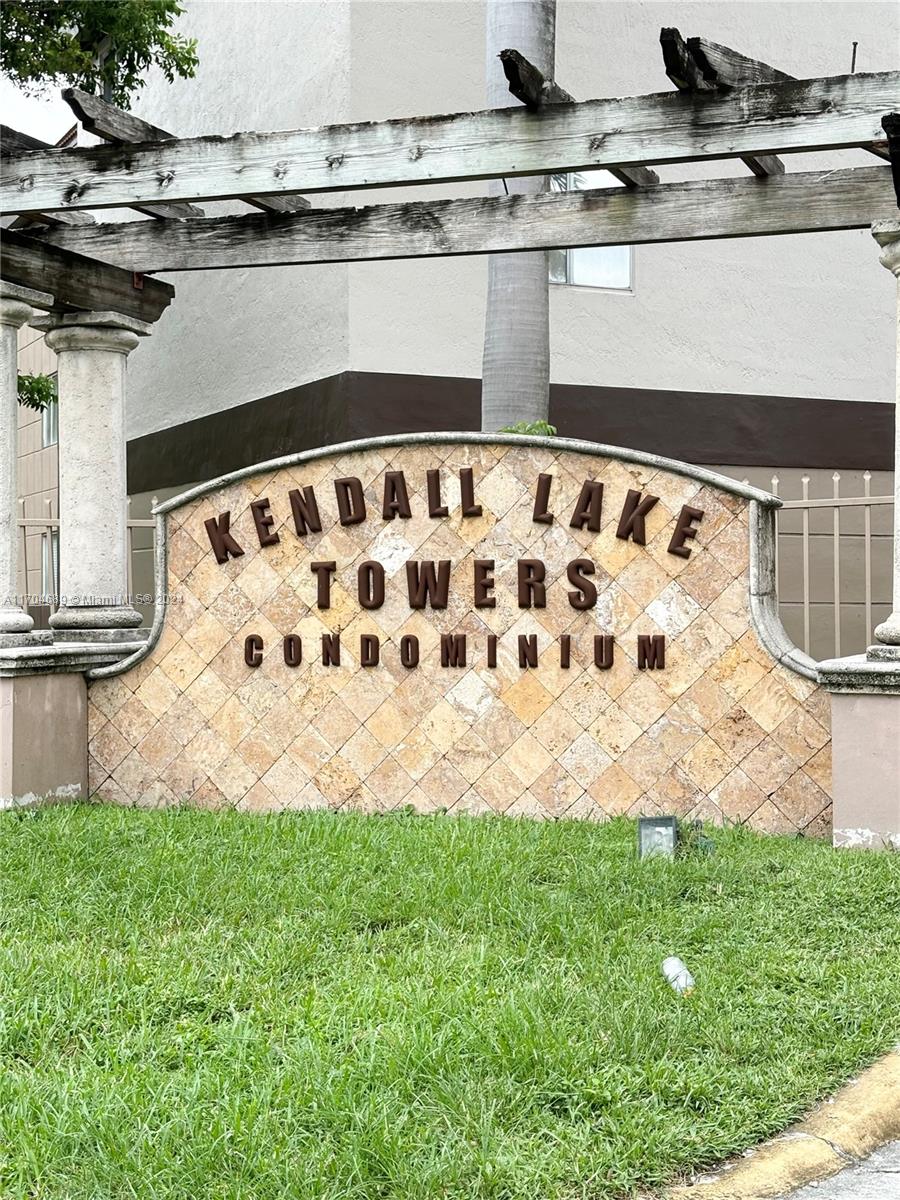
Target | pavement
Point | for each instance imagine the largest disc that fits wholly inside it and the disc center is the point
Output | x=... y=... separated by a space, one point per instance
x=875 y=1178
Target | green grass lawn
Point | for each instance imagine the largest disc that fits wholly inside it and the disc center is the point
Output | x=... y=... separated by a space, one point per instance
x=316 y=1006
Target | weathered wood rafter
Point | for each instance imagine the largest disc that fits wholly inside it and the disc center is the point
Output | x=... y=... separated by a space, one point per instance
x=787 y=117
x=115 y=125
x=79 y=282
x=528 y=84
x=700 y=209
x=13 y=141
x=697 y=65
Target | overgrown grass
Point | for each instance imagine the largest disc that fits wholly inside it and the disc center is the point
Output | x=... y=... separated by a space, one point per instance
x=315 y=1006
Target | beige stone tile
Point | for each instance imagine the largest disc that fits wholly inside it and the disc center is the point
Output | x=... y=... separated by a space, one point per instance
x=259 y=800
x=801 y=799
x=182 y=665
x=556 y=790
x=207 y=749
x=363 y=694
x=109 y=748
x=337 y=781
x=159 y=748
x=183 y=720
x=182 y=776
x=232 y=608
x=585 y=760
x=233 y=722
x=528 y=806
x=206 y=637
x=473 y=804
x=818 y=768
x=443 y=784
x=134 y=720
x=675 y=792
x=705 y=641
x=615 y=791
x=260 y=750
x=285 y=779
x=644 y=701
x=156 y=795
x=736 y=672
x=645 y=761
x=527 y=699
x=310 y=750
x=96 y=775
x=556 y=730
x=390 y=724
x=730 y=609
x=234 y=778
x=258 y=580
x=800 y=736
x=769 y=703
x=96 y=719
x=471 y=756
x=737 y=796
x=390 y=782
x=336 y=723
x=731 y=547
x=134 y=775
x=673 y=610
x=704 y=578
x=183 y=553
x=108 y=695
x=443 y=726
x=500 y=786
x=643 y=579
x=737 y=733
x=705 y=702
x=208 y=796
x=208 y=692
x=768 y=766
x=207 y=580
x=615 y=731
x=527 y=758
x=675 y=733
x=706 y=763
x=157 y=692
x=768 y=818
x=472 y=696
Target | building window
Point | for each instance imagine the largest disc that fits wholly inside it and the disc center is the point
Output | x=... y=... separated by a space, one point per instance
x=50 y=421
x=50 y=561
x=607 y=267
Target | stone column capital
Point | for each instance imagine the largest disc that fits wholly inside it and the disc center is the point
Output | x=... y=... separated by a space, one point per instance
x=887 y=234
x=17 y=303
x=92 y=331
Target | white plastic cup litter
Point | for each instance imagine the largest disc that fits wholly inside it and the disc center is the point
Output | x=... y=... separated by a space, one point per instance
x=678 y=976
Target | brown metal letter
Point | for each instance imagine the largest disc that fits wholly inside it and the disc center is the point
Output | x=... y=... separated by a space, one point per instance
x=586 y=594
x=684 y=529
x=220 y=539
x=396 y=497
x=588 y=507
x=409 y=650
x=484 y=583
x=293 y=650
x=453 y=649
x=532 y=591
x=331 y=649
x=305 y=511
x=467 y=493
x=425 y=584
x=323 y=572
x=253 y=648
x=565 y=650
x=370 y=584
x=492 y=650
x=604 y=648
x=631 y=522
x=542 y=499
x=651 y=651
x=435 y=507
x=369 y=650
x=528 y=650
x=350 y=500
x=263 y=520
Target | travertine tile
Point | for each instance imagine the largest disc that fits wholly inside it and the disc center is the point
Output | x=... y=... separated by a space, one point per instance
x=712 y=736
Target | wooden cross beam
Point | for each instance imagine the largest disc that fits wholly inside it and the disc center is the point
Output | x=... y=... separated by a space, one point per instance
x=77 y=282
x=700 y=209
x=115 y=125
x=528 y=84
x=12 y=141
x=791 y=117
x=697 y=65
x=891 y=126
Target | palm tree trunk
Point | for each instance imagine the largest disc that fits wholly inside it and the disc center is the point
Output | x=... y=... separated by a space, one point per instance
x=516 y=366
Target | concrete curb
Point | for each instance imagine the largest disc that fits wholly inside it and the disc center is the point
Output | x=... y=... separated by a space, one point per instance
x=838 y=1133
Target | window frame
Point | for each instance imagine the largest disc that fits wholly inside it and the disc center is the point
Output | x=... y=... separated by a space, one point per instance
x=50 y=417
x=628 y=290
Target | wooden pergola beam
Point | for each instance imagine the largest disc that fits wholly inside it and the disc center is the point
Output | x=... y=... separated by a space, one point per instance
x=688 y=211
x=528 y=84
x=792 y=117
x=699 y=66
x=115 y=125
x=12 y=141
x=890 y=123
x=78 y=282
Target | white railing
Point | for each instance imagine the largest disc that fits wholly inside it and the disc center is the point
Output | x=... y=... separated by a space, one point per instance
x=44 y=531
x=836 y=589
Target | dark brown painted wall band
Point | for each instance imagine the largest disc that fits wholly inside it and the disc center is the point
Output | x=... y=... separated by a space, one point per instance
x=697 y=427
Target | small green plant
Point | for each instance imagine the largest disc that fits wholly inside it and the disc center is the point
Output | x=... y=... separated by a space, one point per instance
x=36 y=391
x=535 y=428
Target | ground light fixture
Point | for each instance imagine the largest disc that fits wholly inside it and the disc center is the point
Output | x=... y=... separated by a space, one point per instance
x=657 y=837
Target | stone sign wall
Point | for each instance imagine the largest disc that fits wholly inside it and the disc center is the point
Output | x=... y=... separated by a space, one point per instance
x=504 y=627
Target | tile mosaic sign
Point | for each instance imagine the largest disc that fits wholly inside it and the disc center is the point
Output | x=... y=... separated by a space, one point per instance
x=476 y=627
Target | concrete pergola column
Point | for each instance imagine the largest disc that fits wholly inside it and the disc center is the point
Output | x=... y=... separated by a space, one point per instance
x=887 y=234
x=17 y=305
x=865 y=688
x=92 y=348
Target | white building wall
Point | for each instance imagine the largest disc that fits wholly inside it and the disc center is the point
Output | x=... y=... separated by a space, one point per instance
x=803 y=316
